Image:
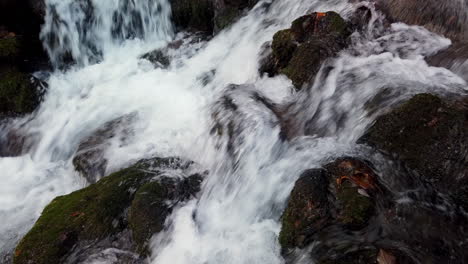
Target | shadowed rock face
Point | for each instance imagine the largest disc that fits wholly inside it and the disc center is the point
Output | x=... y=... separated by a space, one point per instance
x=447 y=17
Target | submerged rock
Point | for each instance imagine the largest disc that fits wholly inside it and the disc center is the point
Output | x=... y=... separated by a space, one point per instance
x=300 y=51
x=89 y=159
x=103 y=215
x=429 y=135
x=327 y=202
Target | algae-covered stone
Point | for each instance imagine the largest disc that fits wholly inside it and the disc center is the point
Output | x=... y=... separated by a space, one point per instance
x=307 y=210
x=326 y=202
x=428 y=135
x=154 y=202
x=72 y=224
x=17 y=94
x=9 y=48
x=300 y=51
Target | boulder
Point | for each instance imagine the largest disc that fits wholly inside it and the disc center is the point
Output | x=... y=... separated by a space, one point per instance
x=326 y=203
x=429 y=135
x=89 y=159
x=74 y=226
x=300 y=51
x=448 y=18
x=18 y=94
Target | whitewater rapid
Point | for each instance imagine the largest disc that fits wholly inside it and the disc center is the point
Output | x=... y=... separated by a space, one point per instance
x=235 y=219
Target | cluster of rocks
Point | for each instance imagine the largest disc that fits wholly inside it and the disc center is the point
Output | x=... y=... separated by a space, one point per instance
x=348 y=211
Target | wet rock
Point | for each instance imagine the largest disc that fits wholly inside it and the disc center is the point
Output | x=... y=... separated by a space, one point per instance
x=89 y=159
x=193 y=15
x=429 y=135
x=308 y=209
x=157 y=58
x=368 y=256
x=300 y=51
x=454 y=58
x=228 y=11
x=18 y=94
x=77 y=225
x=448 y=18
x=338 y=197
x=149 y=208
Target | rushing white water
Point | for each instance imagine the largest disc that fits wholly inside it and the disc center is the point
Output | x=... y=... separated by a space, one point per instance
x=236 y=217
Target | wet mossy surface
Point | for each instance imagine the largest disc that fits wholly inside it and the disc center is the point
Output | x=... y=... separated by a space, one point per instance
x=300 y=51
x=9 y=48
x=17 y=94
x=307 y=211
x=101 y=210
x=429 y=135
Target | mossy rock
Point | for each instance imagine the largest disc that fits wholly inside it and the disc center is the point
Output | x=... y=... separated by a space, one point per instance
x=429 y=135
x=329 y=24
x=300 y=51
x=150 y=206
x=307 y=210
x=85 y=217
x=9 y=48
x=325 y=202
x=306 y=62
x=17 y=94
x=283 y=47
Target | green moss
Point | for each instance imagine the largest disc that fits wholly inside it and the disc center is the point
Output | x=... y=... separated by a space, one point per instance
x=283 y=47
x=306 y=62
x=424 y=133
x=355 y=209
x=89 y=214
x=17 y=94
x=9 y=47
x=307 y=209
x=148 y=213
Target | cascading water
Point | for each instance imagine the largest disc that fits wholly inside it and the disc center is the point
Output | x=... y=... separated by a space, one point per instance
x=236 y=217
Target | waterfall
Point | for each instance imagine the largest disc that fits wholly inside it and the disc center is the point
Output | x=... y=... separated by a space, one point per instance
x=96 y=47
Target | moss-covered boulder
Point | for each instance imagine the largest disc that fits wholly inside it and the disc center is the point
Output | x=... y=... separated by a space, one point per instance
x=17 y=93
x=300 y=51
x=308 y=209
x=339 y=197
x=429 y=135
x=9 y=47
x=73 y=224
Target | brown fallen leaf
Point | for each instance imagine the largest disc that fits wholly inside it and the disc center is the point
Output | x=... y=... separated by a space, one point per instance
x=385 y=258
